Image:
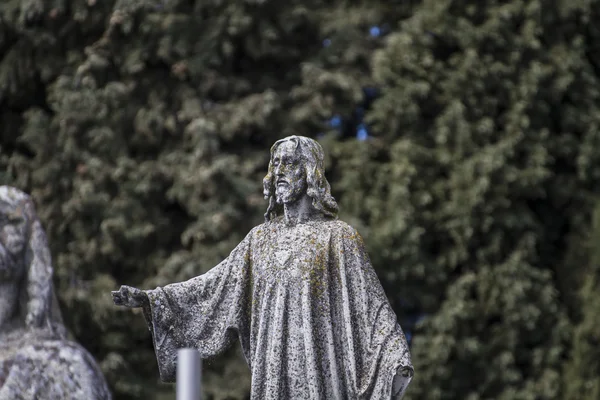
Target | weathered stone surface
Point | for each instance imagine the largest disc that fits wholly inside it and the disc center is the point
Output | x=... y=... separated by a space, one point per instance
x=299 y=292
x=37 y=361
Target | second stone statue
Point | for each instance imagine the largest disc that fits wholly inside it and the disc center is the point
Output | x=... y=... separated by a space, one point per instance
x=299 y=292
x=37 y=360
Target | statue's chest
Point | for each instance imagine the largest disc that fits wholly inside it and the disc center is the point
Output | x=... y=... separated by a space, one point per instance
x=290 y=254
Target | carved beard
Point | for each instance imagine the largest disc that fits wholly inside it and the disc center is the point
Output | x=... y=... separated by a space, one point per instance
x=290 y=192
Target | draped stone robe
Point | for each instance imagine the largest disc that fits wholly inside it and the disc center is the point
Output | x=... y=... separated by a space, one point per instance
x=40 y=364
x=306 y=305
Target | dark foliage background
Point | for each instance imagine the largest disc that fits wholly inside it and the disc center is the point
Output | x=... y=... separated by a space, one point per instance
x=462 y=139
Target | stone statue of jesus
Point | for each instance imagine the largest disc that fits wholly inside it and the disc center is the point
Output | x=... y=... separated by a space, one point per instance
x=299 y=292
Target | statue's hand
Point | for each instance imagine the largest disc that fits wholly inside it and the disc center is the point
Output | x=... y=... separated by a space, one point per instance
x=401 y=380
x=128 y=296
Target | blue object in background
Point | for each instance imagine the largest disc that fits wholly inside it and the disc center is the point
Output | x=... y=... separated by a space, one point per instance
x=370 y=92
x=375 y=31
x=361 y=133
x=353 y=125
x=335 y=121
x=326 y=42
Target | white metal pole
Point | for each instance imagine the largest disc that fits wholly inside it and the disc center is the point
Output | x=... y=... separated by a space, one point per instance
x=189 y=374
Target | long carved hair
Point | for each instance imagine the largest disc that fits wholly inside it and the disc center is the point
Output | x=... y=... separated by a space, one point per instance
x=38 y=308
x=311 y=153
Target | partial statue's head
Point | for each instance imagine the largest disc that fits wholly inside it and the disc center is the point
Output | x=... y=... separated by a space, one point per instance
x=297 y=168
x=25 y=258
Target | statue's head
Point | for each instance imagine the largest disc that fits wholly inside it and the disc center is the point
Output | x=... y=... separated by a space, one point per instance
x=25 y=259
x=296 y=169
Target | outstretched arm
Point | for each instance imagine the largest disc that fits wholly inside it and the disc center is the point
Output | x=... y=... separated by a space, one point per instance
x=204 y=312
x=131 y=297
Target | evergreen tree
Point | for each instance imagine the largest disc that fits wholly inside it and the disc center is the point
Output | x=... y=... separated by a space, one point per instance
x=486 y=135
x=582 y=372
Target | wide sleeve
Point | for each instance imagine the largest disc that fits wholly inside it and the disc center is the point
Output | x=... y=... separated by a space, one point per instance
x=205 y=312
x=379 y=347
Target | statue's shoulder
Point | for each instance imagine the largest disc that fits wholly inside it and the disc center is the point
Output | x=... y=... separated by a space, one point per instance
x=262 y=228
x=338 y=230
x=340 y=227
x=259 y=232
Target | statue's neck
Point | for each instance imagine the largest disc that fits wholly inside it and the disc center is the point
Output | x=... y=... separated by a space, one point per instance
x=9 y=298
x=302 y=210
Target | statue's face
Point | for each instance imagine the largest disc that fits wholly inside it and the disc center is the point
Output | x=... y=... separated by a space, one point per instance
x=12 y=241
x=290 y=175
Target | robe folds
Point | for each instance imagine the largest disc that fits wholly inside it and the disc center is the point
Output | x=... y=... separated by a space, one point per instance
x=304 y=301
x=41 y=364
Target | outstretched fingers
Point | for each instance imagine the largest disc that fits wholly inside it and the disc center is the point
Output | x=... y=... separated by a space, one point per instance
x=128 y=296
x=120 y=297
x=117 y=299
